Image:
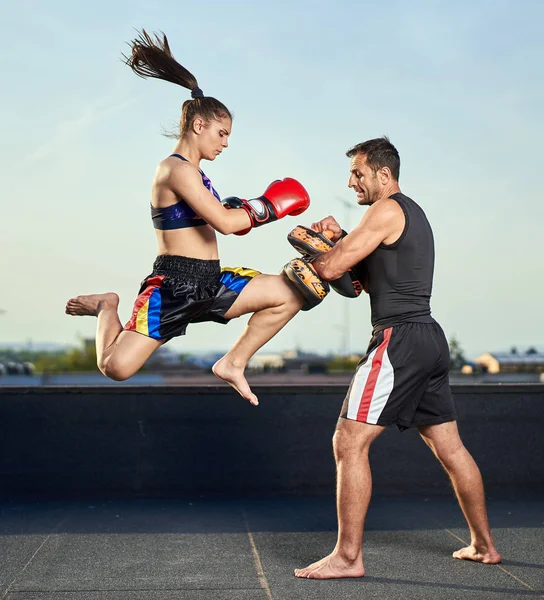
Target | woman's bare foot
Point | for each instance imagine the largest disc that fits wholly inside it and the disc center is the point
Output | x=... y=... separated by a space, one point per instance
x=91 y=305
x=333 y=567
x=234 y=376
x=483 y=555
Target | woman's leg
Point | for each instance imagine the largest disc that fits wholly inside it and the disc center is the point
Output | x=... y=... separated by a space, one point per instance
x=119 y=353
x=274 y=302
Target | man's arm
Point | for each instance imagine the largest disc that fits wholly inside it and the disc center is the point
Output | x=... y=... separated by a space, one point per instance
x=383 y=220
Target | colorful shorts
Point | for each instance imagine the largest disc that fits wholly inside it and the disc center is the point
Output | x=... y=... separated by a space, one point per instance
x=183 y=290
x=403 y=379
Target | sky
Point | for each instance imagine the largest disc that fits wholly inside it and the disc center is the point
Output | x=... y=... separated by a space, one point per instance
x=457 y=87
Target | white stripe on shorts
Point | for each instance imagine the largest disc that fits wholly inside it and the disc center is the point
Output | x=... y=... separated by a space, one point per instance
x=363 y=389
x=382 y=391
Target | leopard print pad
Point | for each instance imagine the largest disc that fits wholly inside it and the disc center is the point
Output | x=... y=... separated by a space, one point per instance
x=308 y=242
x=307 y=281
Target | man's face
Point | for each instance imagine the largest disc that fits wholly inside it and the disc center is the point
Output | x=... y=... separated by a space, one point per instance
x=363 y=181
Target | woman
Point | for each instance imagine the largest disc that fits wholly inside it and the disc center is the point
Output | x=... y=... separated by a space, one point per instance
x=187 y=284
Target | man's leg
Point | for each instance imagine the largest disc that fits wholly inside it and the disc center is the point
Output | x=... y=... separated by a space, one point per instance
x=275 y=302
x=465 y=476
x=119 y=353
x=351 y=444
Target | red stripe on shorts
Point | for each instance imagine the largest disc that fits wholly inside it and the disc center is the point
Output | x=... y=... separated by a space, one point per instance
x=151 y=284
x=370 y=386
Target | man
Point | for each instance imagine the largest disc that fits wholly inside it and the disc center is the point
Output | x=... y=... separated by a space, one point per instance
x=403 y=378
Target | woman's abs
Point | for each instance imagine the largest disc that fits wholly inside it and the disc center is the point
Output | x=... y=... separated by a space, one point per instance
x=195 y=242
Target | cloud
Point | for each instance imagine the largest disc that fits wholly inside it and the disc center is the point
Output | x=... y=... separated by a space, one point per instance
x=69 y=129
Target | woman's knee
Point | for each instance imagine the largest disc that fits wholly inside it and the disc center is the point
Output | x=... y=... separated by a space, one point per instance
x=282 y=294
x=289 y=294
x=115 y=369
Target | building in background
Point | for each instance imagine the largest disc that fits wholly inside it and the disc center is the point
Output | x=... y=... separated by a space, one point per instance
x=511 y=362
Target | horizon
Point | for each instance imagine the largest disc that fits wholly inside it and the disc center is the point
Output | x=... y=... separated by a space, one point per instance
x=54 y=346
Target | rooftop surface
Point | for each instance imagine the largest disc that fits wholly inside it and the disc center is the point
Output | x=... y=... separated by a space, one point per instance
x=220 y=548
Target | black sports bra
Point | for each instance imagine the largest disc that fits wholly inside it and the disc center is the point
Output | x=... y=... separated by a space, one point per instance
x=180 y=214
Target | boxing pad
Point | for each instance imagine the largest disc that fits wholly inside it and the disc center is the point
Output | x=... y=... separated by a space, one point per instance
x=307 y=282
x=310 y=244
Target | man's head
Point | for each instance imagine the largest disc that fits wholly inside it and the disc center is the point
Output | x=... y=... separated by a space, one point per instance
x=374 y=169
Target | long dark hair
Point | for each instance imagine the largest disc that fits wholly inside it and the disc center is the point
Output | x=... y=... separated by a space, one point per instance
x=152 y=57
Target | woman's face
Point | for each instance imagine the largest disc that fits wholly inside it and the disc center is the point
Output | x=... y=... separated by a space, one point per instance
x=214 y=137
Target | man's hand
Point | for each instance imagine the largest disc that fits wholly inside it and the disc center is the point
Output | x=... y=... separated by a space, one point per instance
x=328 y=224
x=312 y=245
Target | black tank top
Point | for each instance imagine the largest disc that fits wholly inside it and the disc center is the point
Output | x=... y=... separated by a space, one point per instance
x=400 y=275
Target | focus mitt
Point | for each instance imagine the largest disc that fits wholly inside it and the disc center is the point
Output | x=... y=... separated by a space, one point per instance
x=310 y=244
x=307 y=282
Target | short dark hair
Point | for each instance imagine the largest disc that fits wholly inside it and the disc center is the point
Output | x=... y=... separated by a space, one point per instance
x=379 y=153
x=151 y=57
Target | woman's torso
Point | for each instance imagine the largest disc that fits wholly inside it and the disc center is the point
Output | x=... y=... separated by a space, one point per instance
x=180 y=231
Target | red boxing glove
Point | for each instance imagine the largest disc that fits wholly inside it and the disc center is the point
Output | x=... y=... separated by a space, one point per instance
x=281 y=198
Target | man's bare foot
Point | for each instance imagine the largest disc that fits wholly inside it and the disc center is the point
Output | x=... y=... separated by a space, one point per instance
x=487 y=556
x=91 y=305
x=234 y=376
x=332 y=567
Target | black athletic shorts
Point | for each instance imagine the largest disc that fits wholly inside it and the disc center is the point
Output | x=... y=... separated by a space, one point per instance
x=403 y=379
x=183 y=290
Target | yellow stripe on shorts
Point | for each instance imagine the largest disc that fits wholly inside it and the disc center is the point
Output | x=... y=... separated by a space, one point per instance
x=240 y=271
